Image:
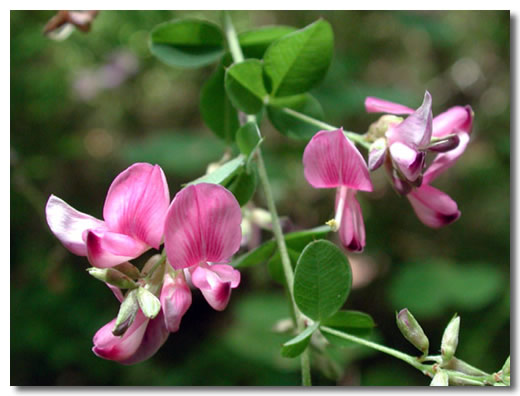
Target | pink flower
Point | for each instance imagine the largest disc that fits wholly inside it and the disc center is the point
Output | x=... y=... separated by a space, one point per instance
x=330 y=160
x=134 y=212
x=175 y=300
x=202 y=232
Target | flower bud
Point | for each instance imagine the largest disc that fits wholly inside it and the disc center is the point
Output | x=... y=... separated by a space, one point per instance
x=377 y=154
x=129 y=270
x=450 y=339
x=126 y=314
x=440 y=379
x=148 y=302
x=412 y=331
x=444 y=144
x=175 y=300
x=378 y=128
x=112 y=277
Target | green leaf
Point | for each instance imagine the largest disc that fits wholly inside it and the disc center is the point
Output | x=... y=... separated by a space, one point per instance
x=289 y=125
x=255 y=256
x=187 y=43
x=216 y=109
x=297 y=62
x=275 y=266
x=245 y=86
x=243 y=186
x=223 y=174
x=248 y=137
x=148 y=302
x=349 y=320
x=255 y=42
x=322 y=280
x=298 y=344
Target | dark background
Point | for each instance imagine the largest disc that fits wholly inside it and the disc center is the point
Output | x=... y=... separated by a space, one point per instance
x=84 y=109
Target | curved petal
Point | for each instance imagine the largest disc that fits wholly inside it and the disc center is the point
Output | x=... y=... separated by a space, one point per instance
x=331 y=160
x=352 y=227
x=175 y=300
x=433 y=207
x=108 y=346
x=107 y=249
x=409 y=161
x=202 y=224
x=453 y=120
x=376 y=105
x=445 y=160
x=215 y=282
x=154 y=337
x=415 y=130
x=137 y=202
x=69 y=225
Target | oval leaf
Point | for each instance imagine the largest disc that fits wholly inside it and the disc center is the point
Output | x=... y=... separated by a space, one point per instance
x=255 y=42
x=187 y=43
x=248 y=138
x=349 y=320
x=297 y=62
x=298 y=344
x=243 y=186
x=245 y=86
x=322 y=280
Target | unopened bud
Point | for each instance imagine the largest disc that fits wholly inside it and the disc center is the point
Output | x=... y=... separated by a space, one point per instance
x=440 y=379
x=377 y=154
x=152 y=261
x=127 y=312
x=148 y=302
x=262 y=218
x=129 y=270
x=412 y=331
x=112 y=277
x=444 y=144
x=450 y=339
x=378 y=128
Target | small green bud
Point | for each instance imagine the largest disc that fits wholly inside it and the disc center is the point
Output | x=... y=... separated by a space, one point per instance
x=412 y=331
x=149 y=303
x=378 y=128
x=113 y=277
x=126 y=314
x=450 y=339
x=440 y=379
x=129 y=270
x=150 y=264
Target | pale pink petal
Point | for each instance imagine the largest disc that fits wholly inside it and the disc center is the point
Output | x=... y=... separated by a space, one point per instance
x=352 y=227
x=433 y=207
x=68 y=224
x=107 y=249
x=137 y=202
x=445 y=160
x=108 y=346
x=453 y=120
x=175 y=301
x=331 y=160
x=377 y=154
x=202 y=225
x=117 y=292
x=154 y=337
x=215 y=282
x=409 y=161
x=415 y=130
x=376 y=105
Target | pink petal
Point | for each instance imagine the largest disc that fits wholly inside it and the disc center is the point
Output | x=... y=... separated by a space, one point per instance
x=108 y=346
x=175 y=301
x=433 y=207
x=331 y=160
x=377 y=154
x=215 y=282
x=445 y=160
x=409 y=161
x=137 y=202
x=453 y=120
x=415 y=130
x=154 y=337
x=376 y=105
x=107 y=249
x=202 y=225
x=352 y=227
x=68 y=224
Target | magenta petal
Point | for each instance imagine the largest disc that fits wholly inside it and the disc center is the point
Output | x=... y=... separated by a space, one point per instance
x=108 y=346
x=352 y=227
x=69 y=225
x=137 y=202
x=202 y=225
x=215 y=282
x=453 y=120
x=376 y=105
x=409 y=161
x=445 y=160
x=154 y=337
x=175 y=301
x=415 y=130
x=331 y=160
x=107 y=249
x=433 y=207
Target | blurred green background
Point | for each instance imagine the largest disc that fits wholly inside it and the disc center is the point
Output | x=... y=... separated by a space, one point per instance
x=84 y=109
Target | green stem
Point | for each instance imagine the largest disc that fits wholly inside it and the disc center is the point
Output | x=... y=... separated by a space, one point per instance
x=236 y=53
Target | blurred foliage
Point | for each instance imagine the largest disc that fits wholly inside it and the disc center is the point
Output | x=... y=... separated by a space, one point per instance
x=85 y=108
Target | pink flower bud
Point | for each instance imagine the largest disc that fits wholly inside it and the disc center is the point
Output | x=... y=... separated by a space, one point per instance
x=175 y=300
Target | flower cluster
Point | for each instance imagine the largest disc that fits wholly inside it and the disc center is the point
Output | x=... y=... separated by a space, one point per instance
x=201 y=231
